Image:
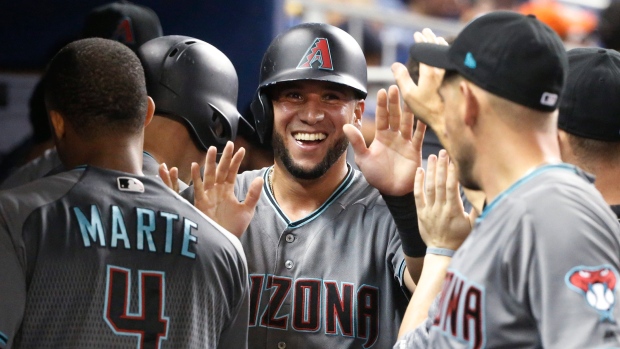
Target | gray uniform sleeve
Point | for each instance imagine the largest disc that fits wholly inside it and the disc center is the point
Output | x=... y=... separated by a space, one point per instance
x=236 y=334
x=572 y=296
x=12 y=286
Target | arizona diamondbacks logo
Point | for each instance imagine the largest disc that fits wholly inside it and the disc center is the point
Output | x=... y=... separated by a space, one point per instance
x=124 y=32
x=317 y=52
x=597 y=285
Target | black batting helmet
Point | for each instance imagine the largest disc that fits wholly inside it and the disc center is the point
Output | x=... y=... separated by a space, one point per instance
x=193 y=80
x=309 y=51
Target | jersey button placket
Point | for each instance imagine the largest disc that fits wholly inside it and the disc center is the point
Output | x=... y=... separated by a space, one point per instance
x=289 y=264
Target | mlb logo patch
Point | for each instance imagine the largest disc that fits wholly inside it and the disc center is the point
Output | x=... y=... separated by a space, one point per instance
x=598 y=287
x=317 y=56
x=130 y=184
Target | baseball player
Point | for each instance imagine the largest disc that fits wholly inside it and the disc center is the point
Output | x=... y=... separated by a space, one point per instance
x=588 y=122
x=100 y=255
x=194 y=86
x=123 y=21
x=540 y=267
x=325 y=259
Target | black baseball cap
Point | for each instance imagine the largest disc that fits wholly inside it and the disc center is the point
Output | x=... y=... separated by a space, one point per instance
x=590 y=106
x=508 y=54
x=123 y=21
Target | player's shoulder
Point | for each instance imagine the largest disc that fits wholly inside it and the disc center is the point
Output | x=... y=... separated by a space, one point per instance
x=35 y=169
x=562 y=196
x=244 y=179
x=359 y=192
x=42 y=190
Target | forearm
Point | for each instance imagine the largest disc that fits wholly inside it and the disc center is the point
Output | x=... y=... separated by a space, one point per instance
x=403 y=211
x=428 y=287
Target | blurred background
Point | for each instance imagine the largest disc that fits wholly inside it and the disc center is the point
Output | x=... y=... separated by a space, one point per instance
x=31 y=31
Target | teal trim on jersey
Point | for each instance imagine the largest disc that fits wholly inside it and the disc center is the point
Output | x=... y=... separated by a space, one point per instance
x=522 y=181
x=346 y=183
x=4 y=339
x=144 y=152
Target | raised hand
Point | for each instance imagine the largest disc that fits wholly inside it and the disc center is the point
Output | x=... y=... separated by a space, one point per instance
x=442 y=220
x=423 y=99
x=170 y=177
x=214 y=195
x=390 y=162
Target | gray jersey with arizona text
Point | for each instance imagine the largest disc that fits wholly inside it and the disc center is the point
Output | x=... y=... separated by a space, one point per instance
x=93 y=258
x=330 y=280
x=539 y=270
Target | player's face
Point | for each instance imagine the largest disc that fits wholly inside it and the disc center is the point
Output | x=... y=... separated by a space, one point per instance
x=460 y=147
x=308 y=119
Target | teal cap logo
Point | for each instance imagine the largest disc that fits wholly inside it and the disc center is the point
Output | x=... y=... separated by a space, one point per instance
x=470 y=61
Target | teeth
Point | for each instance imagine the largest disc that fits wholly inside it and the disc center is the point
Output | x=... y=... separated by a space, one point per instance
x=310 y=136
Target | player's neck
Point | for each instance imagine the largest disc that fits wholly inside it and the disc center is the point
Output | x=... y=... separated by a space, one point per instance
x=298 y=198
x=506 y=161
x=118 y=155
x=608 y=185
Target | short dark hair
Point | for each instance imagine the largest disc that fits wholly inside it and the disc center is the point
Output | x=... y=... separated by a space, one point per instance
x=587 y=149
x=98 y=86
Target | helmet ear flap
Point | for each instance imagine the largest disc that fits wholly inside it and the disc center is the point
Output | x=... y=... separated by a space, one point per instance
x=262 y=110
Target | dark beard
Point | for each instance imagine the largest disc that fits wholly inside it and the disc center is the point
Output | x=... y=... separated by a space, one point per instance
x=333 y=154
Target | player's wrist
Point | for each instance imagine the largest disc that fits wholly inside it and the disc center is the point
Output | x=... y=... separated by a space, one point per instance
x=440 y=251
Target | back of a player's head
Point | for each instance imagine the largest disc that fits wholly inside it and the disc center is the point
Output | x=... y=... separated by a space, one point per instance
x=509 y=55
x=590 y=107
x=123 y=21
x=609 y=26
x=98 y=86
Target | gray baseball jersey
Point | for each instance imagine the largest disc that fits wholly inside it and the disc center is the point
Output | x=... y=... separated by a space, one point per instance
x=540 y=269
x=35 y=169
x=333 y=279
x=92 y=258
x=49 y=163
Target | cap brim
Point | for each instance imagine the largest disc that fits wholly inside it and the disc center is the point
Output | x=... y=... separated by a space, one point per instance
x=432 y=54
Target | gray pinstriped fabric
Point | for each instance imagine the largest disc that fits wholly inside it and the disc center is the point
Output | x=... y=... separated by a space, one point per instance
x=330 y=280
x=67 y=283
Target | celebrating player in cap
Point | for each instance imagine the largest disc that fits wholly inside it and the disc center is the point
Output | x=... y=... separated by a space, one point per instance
x=326 y=265
x=540 y=266
x=102 y=255
x=589 y=120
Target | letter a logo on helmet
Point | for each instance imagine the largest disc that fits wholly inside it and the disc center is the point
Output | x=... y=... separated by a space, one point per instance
x=317 y=52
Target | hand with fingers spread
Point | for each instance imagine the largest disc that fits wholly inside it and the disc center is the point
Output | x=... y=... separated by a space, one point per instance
x=169 y=176
x=442 y=219
x=214 y=195
x=390 y=162
x=423 y=98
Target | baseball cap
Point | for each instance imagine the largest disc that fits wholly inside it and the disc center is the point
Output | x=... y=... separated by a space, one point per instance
x=123 y=21
x=590 y=106
x=508 y=54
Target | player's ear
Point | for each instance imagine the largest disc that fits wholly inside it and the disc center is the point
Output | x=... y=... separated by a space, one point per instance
x=150 y=110
x=358 y=113
x=58 y=124
x=471 y=105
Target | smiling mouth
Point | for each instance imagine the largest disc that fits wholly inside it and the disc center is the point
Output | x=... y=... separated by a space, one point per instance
x=309 y=137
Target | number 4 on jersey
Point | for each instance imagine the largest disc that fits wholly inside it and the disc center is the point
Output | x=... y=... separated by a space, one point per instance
x=149 y=324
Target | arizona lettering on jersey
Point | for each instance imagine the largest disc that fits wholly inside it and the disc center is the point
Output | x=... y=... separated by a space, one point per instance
x=332 y=279
x=461 y=311
x=336 y=309
x=531 y=277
